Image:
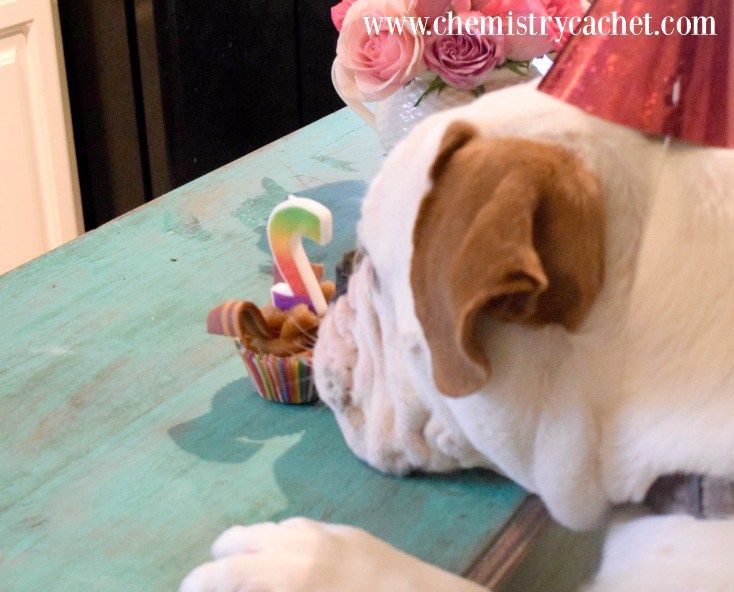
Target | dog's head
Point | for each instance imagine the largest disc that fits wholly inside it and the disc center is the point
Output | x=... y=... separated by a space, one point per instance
x=480 y=251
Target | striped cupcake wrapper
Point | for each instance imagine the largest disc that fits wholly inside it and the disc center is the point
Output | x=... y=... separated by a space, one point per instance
x=280 y=379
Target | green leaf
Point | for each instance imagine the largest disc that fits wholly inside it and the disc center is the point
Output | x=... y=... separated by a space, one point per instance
x=519 y=68
x=437 y=84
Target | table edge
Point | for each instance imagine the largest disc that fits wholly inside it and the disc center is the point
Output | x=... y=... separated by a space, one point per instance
x=513 y=543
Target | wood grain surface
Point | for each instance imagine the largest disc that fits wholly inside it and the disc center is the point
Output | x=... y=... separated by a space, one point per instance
x=129 y=437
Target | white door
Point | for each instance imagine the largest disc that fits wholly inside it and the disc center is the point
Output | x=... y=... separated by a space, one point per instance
x=39 y=193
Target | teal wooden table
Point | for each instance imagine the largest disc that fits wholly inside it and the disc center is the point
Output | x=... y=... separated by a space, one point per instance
x=130 y=437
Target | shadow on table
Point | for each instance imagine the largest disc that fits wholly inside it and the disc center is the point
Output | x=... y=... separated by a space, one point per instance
x=218 y=435
x=239 y=422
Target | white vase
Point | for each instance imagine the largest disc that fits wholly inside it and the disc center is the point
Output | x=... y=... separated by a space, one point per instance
x=394 y=117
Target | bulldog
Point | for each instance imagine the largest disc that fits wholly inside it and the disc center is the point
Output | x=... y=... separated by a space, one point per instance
x=547 y=295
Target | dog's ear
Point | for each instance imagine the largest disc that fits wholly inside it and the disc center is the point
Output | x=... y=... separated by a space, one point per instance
x=511 y=230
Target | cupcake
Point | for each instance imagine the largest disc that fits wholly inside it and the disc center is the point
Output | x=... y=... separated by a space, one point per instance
x=276 y=341
x=275 y=345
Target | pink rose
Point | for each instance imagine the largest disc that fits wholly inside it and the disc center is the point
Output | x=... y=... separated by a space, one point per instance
x=462 y=6
x=370 y=67
x=339 y=11
x=431 y=8
x=519 y=46
x=464 y=61
x=505 y=6
x=563 y=9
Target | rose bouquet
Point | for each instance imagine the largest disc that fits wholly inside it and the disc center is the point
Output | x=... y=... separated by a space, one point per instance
x=384 y=46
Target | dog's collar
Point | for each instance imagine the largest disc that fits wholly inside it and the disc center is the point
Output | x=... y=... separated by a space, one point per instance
x=696 y=495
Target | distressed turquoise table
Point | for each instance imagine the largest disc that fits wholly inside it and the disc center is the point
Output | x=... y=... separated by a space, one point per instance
x=130 y=438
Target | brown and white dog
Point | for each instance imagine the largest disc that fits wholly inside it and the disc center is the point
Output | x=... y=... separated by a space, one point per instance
x=541 y=293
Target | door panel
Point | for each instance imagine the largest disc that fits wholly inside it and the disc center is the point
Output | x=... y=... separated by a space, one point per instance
x=22 y=198
x=39 y=199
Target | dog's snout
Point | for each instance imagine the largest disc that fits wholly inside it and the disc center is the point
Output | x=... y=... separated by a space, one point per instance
x=335 y=356
x=359 y=369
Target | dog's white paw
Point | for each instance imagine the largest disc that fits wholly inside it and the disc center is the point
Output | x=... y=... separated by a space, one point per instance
x=301 y=555
x=269 y=557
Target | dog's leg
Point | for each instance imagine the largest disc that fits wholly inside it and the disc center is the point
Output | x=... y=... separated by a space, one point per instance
x=301 y=555
x=666 y=554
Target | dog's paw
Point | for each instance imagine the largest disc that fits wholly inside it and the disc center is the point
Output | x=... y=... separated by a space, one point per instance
x=268 y=557
x=296 y=555
x=301 y=555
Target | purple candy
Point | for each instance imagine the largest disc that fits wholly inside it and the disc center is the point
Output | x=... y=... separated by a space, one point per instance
x=288 y=301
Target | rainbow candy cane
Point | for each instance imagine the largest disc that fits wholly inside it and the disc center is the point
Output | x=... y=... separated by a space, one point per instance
x=289 y=222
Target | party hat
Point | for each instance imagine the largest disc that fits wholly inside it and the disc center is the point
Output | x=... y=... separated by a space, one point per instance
x=668 y=82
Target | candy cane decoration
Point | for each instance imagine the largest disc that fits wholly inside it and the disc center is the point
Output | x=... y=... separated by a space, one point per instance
x=289 y=222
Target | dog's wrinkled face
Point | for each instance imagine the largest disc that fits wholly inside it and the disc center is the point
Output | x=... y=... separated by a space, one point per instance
x=362 y=375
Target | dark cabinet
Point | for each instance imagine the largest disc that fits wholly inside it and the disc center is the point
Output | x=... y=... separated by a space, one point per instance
x=163 y=91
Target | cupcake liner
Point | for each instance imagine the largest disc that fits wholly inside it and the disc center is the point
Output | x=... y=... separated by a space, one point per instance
x=280 y=379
